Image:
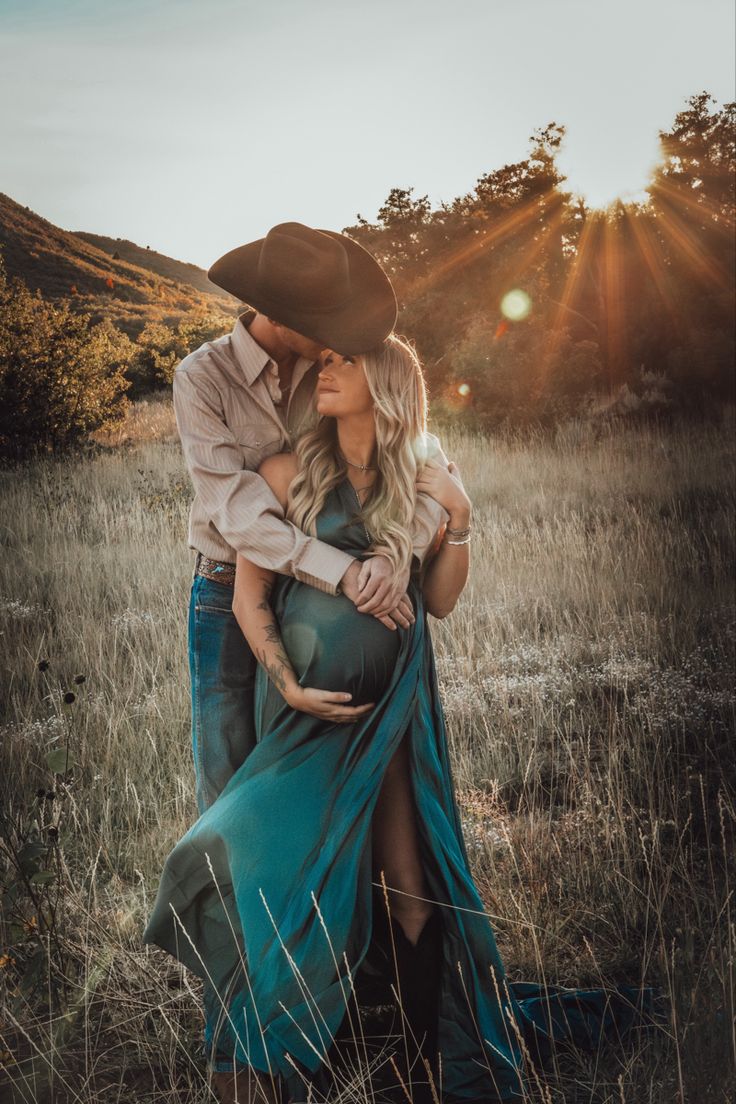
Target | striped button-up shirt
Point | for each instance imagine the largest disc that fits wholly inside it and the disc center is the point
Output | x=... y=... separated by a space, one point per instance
x=229 y=424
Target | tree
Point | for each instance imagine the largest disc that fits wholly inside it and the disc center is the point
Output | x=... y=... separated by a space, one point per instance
x=397 y=240
x=692 y=208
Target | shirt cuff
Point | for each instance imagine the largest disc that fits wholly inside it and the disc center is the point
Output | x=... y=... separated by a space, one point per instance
x=322 y=566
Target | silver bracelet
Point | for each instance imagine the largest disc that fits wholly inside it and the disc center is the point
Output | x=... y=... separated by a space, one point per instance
x=456 y=542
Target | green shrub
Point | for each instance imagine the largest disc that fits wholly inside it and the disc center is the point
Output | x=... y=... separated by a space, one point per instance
x=60 y=377
x=517 y=373
x=160 y=348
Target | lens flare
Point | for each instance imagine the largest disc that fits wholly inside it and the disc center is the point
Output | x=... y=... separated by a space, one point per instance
x=464 y=390
x=516 y=305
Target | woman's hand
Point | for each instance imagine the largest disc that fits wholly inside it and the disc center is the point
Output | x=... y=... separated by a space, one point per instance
x=445 y=486
x=328 y=705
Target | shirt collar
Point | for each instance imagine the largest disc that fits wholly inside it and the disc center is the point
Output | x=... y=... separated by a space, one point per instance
x=250 y=357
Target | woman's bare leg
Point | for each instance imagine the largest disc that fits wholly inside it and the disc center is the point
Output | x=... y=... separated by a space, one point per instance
x=396 y=849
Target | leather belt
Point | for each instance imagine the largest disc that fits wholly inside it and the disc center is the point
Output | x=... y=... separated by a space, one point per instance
x=219 y=571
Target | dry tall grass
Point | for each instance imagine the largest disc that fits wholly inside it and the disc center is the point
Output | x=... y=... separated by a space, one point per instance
x=587 y=679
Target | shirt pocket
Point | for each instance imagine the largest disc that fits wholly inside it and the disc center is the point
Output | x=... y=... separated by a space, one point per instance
x=256 y=441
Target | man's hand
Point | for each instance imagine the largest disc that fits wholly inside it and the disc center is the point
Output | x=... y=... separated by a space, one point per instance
x=381 y=589
x=375 y=588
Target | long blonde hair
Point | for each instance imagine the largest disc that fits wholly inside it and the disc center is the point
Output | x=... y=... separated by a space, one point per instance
x=395 y=381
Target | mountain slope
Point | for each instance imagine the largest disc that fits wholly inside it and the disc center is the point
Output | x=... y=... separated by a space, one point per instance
x=149 y=259
x=64 y=265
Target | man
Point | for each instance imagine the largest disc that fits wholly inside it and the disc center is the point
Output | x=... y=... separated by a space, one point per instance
x=238 y=400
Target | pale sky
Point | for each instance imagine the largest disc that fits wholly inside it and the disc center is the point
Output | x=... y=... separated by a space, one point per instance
x=193 y=126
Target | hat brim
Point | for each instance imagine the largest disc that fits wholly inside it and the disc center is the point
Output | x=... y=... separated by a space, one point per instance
x=354 y=327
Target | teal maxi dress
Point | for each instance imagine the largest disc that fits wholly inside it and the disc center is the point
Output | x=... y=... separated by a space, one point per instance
x=268 y=896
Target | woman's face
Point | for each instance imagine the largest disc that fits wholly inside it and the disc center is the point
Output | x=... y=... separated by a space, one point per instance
x=342 y=389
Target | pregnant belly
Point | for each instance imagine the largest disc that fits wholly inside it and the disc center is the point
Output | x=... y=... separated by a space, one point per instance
x=333 y=647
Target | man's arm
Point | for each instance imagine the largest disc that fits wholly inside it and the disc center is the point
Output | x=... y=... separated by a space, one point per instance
x=240 y=503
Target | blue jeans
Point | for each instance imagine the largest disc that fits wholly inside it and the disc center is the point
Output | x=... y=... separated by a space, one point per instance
x=223 y=672
x=222 y=668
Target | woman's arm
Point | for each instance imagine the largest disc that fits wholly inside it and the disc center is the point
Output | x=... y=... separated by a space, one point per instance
x=447 y=572
x=254 y=614
x=252 y=609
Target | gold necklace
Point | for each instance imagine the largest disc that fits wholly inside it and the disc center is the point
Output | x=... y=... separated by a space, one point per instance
x=361 y=467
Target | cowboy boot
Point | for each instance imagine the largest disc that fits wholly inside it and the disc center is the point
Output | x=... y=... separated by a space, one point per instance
x=428 y=964
x=419 y=969
x=372 y=1023
x=376 y=971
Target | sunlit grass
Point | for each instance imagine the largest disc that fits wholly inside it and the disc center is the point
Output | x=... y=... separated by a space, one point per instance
x=587 y=681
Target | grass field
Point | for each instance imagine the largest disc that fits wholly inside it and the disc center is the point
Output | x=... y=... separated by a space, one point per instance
x=587 y=675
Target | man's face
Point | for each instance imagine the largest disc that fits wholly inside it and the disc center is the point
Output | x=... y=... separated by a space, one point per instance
x=297 y=343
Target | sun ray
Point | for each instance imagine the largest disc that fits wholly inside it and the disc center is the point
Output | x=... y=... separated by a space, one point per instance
x=575 y=270
x=651 y=253
x=525 y=258
x=532 y=210
x=615 y=284
x=673 y=195
x=704 y=265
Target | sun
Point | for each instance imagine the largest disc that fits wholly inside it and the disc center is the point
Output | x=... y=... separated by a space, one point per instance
x=609 y=167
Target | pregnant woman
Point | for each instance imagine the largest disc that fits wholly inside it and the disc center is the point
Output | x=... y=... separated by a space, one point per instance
x=276 y=894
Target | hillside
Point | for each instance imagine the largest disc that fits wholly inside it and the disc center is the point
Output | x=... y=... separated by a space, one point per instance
x=147 y=258
x=64 y=265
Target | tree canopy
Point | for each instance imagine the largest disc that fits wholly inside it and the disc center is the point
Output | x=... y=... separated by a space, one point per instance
x=636 y=300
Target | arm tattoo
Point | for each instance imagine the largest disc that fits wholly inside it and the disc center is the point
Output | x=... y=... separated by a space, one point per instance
x=279 y=665
x=265 y=604
x=274 y=671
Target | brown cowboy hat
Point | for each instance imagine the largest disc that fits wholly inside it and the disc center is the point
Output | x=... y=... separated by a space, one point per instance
x=321 y=284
